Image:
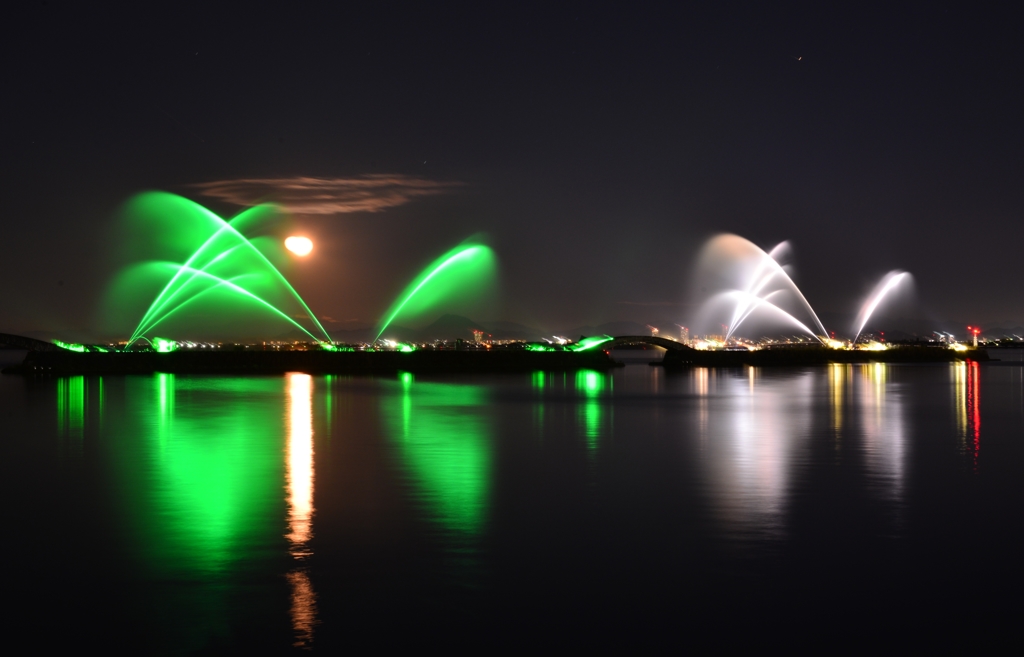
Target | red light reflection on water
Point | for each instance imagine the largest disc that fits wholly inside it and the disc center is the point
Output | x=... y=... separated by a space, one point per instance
x=974 y=407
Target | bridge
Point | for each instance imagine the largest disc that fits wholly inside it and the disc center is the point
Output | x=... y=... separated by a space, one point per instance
x=21 y=342
x=653 y=340
x=31 y=344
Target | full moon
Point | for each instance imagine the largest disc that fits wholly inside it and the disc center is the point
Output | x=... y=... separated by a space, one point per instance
x=300 y=246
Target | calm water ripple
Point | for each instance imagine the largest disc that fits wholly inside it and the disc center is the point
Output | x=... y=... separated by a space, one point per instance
x=849 y=503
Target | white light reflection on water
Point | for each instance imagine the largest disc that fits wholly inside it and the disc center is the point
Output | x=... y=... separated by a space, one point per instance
x=960 y=398
x=300 y=503
x=883 y=427
x=758 y=434
x=701 y=388
x=967 y=405
x=839 y=379
x=789 y=483
x=750 y=449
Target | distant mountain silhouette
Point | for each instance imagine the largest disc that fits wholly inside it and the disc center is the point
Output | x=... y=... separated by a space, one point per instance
x=448 y=327
x=611 y=328
x=1000 y=331
x=502 y=330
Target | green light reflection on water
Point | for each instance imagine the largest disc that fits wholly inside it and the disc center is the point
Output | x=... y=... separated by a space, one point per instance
x=72 y=406
x=591 y=385
x=199 y=468
x=202 y=471
x=539 y=380
x=444 y=439
x=328 y=397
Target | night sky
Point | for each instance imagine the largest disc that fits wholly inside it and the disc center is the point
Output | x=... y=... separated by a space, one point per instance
x=597 y=147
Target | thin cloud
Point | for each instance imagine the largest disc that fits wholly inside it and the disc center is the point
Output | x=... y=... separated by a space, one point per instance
x=321 y=318
x=303 y=195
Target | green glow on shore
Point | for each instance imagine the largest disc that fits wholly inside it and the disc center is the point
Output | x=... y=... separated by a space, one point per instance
x=586 y=344
x=164 y=346
x=329 y=346
x=536 y=346
x=71 y=346
x=459 y=273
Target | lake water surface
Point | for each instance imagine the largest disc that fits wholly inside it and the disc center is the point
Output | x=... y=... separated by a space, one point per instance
x=844 y=506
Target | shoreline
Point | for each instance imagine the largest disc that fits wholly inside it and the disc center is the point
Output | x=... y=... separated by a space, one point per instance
x=61 y=362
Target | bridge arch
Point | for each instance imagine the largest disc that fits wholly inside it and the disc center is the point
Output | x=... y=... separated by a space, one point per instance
x=21 y=342
x=665 y=343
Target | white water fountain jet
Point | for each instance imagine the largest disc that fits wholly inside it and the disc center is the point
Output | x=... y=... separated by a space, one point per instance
x=755 y=303
x=888 y=283
x=757 y=280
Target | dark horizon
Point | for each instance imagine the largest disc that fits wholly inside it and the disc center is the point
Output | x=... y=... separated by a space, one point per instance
x=597 y=149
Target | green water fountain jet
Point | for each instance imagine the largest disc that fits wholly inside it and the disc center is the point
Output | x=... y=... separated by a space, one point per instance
x=215 y=283
x=225 y=266
x=462 y=271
